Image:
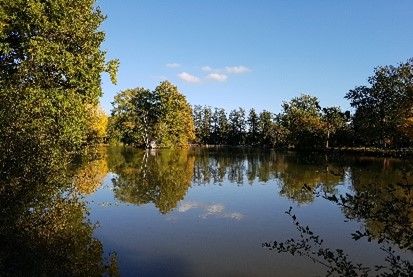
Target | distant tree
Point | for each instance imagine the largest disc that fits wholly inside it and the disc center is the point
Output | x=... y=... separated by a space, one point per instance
x=237 y=127
x=265 y=128
x=302 y=117
x=223 y=127
x=253 y=122
x=334 y=120
x=383 y=108
x=206 y=126
x=197 y=118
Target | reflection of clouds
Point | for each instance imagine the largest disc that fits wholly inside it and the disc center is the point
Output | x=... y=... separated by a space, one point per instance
x=184 y=207
x=235 y=216
x=215 y=210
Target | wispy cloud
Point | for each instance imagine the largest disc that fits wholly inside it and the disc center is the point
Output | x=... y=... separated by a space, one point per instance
x=206 y=68
x=237 y=69
x=172 y=65
x=189 y=78
x=217 y=77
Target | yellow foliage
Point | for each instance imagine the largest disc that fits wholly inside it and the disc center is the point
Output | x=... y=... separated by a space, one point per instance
x=97 y=124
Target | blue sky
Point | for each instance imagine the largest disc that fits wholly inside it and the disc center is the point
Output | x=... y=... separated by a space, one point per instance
x=254 y=53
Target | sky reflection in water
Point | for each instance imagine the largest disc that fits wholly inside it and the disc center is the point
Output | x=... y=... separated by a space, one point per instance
x=206 y=212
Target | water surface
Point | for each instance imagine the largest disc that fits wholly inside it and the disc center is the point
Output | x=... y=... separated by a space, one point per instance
x=205 y=212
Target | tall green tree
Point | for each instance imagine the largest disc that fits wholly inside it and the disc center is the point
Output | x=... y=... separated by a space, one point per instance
x=253 y=122
x=175 y=126
x=265 y=127
x=206 y=125
x=221 y=122
x=237 y=127
x=197 y=118
x=50 y=72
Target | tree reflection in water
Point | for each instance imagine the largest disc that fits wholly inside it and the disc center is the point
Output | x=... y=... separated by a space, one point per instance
x=43 y=226
x=160 y=177
x=380 y=198
x=387 y=212
x=290 y=171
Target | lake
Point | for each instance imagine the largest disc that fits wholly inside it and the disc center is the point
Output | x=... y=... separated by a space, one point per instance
x=211 y=212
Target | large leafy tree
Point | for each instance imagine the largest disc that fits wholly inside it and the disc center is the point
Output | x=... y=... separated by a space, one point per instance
x=50 y=72
x=384 y=107
x=302 y=117
x=134 y=116
x=142 y=117
x=253 y=122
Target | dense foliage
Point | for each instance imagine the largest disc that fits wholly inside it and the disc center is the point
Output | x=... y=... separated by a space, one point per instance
x=50 y=76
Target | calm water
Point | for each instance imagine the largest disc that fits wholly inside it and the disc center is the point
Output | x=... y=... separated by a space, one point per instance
x=208 y=213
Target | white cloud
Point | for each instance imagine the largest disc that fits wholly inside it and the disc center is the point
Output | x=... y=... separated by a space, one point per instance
x=189 y=78
x=217 y=77
x=172 y=65
x=237 y=69
x=206 y=68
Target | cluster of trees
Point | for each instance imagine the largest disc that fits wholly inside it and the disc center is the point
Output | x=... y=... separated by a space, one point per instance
x=158 y=118
x=302 y=124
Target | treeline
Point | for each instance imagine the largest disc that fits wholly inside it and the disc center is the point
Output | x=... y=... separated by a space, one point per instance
x=383 y=117
x=303 y=124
